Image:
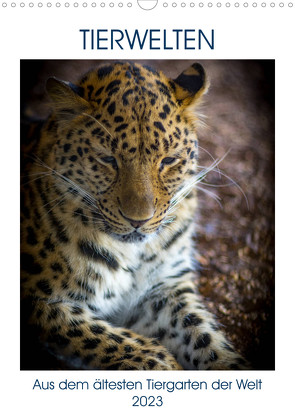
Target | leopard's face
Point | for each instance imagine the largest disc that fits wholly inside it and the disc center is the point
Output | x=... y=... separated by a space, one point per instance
x=126 y=145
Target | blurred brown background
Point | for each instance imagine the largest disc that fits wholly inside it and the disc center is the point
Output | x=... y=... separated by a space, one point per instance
x=235 y=244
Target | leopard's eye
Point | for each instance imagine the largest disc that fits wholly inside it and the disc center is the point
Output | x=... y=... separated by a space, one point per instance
x=168 y=160
x=110 y=160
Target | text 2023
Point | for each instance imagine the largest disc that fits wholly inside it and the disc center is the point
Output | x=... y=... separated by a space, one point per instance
x=147 y=400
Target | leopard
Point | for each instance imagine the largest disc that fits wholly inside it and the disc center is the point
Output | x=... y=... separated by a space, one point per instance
x=108 y=227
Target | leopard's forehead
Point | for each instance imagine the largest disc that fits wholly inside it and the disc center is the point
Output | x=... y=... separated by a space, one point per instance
x=130 y=87
x=137 y=110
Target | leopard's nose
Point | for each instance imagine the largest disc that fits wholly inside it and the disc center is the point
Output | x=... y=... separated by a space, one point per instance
x=137 y=223
x=134 y=222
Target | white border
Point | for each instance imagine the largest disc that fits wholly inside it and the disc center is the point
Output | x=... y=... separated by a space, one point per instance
x=53 y=33
x=168 y=5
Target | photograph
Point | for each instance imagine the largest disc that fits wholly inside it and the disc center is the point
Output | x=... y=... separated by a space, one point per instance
x=147 y=214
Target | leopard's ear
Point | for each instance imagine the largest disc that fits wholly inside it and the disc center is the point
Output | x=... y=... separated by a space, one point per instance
x=67 y=98
x=191 y=85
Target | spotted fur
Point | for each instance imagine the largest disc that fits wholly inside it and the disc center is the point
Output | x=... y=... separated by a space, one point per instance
x=107 y=226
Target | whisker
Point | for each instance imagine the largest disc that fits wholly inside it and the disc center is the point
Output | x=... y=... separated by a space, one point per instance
x=168 y=220
x=207 y=152
x=80 y=190
x=37 y=178
x=98 y=220
x=53 y=200
x=234 y=183
x=211 y=194
x=217 y=185
x=56 y=204
x=87 y=198
x=93 y=118
x=33 y=174
x=199 y=178
x=215 y=163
